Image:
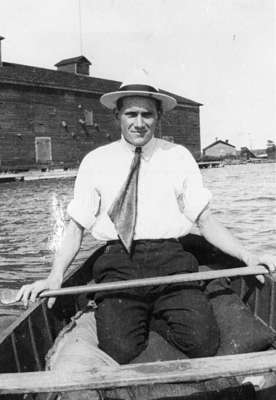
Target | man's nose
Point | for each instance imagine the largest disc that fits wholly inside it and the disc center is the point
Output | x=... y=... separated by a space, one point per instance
x=139 y=122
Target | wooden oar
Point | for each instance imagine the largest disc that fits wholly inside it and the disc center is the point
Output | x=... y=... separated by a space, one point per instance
x=8 y=296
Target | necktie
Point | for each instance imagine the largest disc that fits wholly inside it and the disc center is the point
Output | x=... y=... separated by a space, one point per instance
x=123 y=211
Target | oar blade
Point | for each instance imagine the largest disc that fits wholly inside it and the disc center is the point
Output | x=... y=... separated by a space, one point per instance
x=8 y=296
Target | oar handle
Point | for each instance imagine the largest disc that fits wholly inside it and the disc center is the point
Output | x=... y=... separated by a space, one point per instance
x=160 y=280
x=8 y=296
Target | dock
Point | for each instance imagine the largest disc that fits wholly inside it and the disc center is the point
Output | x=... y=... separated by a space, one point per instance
x=37 y=175
x=61 y=173
x=4 y=178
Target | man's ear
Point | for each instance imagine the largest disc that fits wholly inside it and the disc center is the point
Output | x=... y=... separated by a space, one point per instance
x=116 y=113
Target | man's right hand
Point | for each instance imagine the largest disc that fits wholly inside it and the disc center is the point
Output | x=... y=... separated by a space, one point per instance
x=69 y=248
x=31 y=292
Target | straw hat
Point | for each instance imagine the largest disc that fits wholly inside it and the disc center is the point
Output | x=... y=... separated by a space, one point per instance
x=138 y=84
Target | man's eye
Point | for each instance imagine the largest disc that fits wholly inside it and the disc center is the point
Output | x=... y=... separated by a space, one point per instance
x=131 y=115
x=147 y=115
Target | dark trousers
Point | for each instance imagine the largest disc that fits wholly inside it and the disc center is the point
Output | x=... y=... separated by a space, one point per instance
x=179 y=312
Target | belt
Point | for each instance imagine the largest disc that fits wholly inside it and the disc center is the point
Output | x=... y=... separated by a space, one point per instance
x=143 y=241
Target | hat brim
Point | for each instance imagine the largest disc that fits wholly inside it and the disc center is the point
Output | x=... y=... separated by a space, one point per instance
x=109 y=100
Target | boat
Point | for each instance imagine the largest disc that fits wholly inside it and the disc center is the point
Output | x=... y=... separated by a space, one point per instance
x=26 y=341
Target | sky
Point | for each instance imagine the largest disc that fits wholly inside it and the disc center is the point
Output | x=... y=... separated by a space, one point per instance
x=220 y=53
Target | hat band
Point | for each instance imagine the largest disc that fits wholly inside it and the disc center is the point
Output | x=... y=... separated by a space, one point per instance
x=138 y=88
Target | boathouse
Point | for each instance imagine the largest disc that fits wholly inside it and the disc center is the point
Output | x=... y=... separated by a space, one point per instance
x=220 y=149
x=52 y=118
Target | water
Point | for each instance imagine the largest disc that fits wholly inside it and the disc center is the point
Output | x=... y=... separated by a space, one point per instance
x=245 y=201
x=33 y=215
x=32 y=220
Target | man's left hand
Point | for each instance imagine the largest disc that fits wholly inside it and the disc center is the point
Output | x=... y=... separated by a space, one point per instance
x=267 y=261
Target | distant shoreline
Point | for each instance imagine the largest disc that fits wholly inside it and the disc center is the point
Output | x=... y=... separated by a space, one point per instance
x=40 y=174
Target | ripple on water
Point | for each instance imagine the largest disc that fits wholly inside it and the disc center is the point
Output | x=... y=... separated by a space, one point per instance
x=243 y=200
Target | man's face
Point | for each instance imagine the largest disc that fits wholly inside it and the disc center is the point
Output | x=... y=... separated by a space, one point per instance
x=138 y=117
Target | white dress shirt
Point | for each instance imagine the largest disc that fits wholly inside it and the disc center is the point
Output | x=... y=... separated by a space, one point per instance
x=171 y=194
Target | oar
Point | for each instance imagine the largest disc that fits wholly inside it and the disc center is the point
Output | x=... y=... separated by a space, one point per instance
x=8 y=296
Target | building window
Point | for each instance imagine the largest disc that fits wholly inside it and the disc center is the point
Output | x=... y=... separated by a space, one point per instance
x=89 y=118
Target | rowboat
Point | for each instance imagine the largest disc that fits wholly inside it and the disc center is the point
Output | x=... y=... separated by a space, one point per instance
x=26 y=341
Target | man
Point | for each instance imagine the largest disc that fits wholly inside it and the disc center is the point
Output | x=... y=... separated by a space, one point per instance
x=140 y=194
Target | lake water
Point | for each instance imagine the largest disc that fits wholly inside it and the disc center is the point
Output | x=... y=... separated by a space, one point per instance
x=32 y=215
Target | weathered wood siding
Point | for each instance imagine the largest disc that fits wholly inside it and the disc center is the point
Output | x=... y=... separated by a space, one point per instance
x=27 y=112
x=183 y=124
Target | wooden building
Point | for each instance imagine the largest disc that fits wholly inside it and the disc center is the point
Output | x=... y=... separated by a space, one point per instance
x=54 y=117
x=220 y=149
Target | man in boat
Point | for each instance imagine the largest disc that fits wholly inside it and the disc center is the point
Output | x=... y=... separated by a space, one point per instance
x=139 y=195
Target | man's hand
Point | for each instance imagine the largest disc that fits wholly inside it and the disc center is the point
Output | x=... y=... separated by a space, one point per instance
x=253 y=260
x=31 y=292
x=69 y=248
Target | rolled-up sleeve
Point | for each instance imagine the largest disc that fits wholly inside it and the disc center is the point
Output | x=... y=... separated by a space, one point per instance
x=195 y=196
x=84 y=207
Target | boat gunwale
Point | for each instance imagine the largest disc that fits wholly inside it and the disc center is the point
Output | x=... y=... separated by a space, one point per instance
x=161 y=372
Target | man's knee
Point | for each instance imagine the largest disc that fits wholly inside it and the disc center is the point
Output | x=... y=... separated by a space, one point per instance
x=206 y=344
x=122 y=350
x=201 y=342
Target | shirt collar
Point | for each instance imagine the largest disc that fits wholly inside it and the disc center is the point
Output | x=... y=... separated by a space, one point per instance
x=147 y=149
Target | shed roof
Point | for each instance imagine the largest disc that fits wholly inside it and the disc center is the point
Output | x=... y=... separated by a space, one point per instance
x=216 y=142
x=73 y=60
x=47 y=78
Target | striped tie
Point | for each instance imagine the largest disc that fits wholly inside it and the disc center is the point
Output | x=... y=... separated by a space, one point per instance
x=123 y=211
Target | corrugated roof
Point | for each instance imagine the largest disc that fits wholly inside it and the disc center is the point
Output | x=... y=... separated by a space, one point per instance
x=72 y=60
x=42 y=77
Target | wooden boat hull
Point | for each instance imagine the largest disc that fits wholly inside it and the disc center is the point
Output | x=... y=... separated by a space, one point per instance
x=24 y=344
